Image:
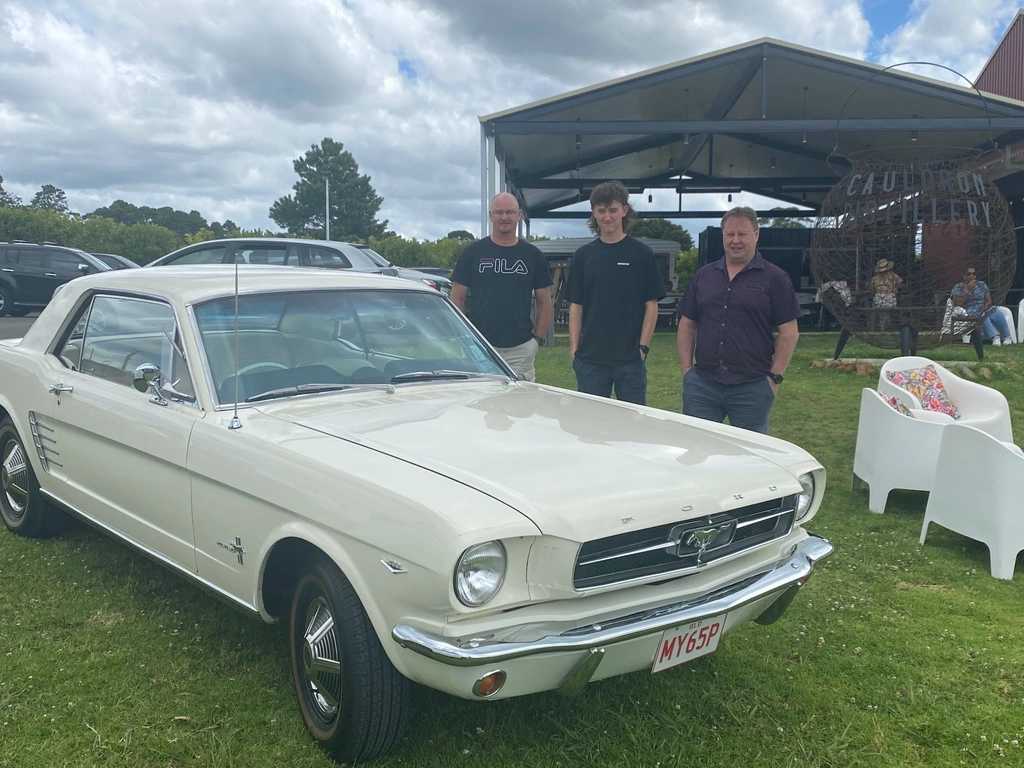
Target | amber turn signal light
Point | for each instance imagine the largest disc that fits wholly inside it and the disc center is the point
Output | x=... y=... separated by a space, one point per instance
x=489 y=684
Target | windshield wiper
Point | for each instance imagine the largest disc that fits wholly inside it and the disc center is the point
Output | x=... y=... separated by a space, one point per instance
x=428 y=375
x=300 y=389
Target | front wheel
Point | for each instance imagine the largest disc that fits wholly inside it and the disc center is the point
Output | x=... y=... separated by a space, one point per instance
x=353 y=701
x=22 y=506
x=6 y=300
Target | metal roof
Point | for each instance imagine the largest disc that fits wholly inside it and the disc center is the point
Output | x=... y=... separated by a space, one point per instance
x=760 y=117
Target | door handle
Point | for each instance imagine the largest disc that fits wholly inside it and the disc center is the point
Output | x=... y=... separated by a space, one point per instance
x=50 y=274
x=56 y=389
x=6 y=269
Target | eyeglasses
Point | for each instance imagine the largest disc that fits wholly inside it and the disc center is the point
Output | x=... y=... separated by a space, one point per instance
x=511 y=212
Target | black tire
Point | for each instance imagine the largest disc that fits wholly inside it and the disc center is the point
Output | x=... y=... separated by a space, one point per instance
x=354 y=702
x=19 y=311
x=6 y=300
x=22 y=506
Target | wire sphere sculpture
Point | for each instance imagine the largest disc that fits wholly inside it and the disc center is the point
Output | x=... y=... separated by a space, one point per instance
x=897 y=236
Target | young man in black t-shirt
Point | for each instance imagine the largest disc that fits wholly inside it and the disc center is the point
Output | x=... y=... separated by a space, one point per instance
x=614 y=289
x=503 y=274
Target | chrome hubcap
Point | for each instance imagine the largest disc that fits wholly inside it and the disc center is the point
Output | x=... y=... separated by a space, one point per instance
x=321 y=662
x=14 y=478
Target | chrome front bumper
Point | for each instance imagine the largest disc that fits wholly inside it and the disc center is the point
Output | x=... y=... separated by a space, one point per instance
x=783 y=581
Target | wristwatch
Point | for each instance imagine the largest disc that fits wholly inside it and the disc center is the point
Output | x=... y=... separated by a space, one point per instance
x=645 y=349
x=539 y=340
x=776 y=377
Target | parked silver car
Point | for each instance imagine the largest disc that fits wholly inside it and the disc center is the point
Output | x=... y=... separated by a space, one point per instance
x=289 y=252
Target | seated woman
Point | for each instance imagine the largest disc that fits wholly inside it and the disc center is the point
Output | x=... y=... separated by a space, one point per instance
x=973 y=297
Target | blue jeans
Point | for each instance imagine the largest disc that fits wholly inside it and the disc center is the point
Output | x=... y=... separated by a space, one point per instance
x=995 y=321
x=629 y=380
x=748 y=405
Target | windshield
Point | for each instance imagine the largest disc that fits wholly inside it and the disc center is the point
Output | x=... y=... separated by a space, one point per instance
x=286 y=341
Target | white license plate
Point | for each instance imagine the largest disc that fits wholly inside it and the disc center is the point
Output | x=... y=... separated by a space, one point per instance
x=690 y=641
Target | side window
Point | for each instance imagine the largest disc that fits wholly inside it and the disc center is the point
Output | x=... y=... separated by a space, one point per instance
x=327 y=257
x=3 y=255
x=32 y=257
x=212 y=255
x=67 y=264
x=268 y=253
x=117 y=334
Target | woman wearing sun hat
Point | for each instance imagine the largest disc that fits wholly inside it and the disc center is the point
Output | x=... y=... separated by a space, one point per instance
x=884 y=284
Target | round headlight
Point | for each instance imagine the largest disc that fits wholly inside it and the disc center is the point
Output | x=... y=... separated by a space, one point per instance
x=479 y=573
x=804 y=499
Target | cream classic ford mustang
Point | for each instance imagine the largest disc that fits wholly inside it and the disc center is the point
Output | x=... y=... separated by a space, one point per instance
x=347 y=454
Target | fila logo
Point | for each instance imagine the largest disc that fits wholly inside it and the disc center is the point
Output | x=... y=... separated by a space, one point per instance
x=502 y=267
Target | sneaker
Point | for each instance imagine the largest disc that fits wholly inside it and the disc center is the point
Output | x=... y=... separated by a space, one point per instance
x=996 y=342
x=1007 y=341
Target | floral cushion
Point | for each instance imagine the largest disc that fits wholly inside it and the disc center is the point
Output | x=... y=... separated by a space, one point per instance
x=897 y=405
x=926 y=386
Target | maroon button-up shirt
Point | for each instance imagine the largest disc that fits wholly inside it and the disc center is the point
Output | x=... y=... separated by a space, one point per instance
x=736 y=318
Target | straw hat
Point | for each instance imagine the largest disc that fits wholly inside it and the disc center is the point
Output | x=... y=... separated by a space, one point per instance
x=883 y=265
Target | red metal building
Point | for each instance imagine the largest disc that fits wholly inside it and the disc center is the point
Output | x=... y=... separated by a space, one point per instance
x=1003 y=74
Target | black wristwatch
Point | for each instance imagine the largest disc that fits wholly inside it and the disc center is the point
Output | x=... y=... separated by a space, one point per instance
x=539 y=340
x=645 y=349
x=776 y=377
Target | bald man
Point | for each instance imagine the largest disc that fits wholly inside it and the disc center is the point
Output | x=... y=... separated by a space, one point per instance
x=503 y=274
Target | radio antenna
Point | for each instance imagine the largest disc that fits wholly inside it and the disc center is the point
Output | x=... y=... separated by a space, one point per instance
x=236 y=423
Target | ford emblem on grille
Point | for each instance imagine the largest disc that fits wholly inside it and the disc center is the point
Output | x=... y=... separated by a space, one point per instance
x=687 y=540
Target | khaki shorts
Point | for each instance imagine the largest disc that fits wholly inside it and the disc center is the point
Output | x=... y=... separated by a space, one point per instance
x=521 y=359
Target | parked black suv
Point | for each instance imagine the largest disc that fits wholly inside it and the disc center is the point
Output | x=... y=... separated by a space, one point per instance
x=30 y=273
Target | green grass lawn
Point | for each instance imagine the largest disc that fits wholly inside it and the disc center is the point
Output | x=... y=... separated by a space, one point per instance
x=893 y=655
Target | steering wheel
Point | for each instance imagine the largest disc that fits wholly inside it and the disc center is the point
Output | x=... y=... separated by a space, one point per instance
x=262 y=364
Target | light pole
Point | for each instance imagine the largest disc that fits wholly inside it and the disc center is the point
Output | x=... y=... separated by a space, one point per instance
x=327 y=208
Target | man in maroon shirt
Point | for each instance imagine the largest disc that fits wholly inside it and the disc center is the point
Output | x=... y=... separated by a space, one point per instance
x=729 y=312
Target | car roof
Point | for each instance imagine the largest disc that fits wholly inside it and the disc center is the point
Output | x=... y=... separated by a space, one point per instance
x=296 y=240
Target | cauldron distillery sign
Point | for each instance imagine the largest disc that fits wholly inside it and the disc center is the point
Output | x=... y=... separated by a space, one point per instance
x=894 y=237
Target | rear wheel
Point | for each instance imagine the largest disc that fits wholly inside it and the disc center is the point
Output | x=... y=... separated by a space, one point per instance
x=6 y=300
x=22 y=506
x=353 y=701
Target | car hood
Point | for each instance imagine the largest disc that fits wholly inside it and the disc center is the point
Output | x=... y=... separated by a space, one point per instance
x=579 y=467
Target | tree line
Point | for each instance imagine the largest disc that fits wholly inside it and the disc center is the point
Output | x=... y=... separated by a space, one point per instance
x=143 y=233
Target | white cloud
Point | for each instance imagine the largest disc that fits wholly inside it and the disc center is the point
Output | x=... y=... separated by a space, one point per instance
x=960 y=35
x=204 y=104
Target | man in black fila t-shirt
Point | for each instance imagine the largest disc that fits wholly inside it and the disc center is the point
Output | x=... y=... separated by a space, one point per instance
x=502 y=274
x=614 y=288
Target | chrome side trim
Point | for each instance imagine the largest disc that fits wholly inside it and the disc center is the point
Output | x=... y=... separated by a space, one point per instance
x=155 y=556
x=793 y=572
x=34 y=427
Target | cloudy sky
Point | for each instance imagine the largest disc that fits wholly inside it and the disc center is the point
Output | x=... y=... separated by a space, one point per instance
x=204 y=104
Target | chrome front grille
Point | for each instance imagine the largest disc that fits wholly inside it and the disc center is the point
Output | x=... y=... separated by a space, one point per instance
x=682 y=546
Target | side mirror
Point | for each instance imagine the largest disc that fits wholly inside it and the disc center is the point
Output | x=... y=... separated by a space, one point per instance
x=84 y=269
x=148 y=378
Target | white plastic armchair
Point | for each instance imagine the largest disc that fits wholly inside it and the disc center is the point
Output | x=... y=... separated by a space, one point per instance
x=979 y=493
x=893 y=450
x=1020 y=320
x=979 y=406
